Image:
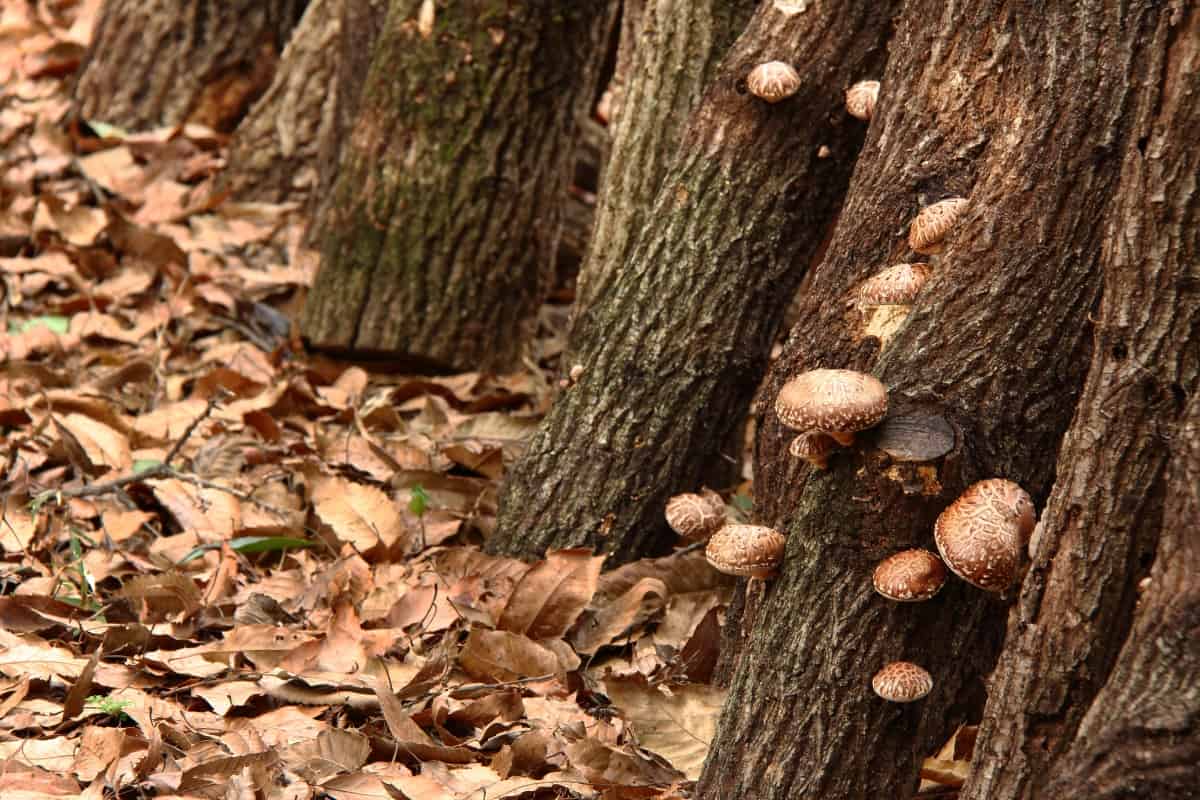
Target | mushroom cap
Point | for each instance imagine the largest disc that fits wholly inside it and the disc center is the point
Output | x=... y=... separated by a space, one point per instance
x=982 y=533
x=773 y=81
x=910 y=576
x=832 y=401
x=931 y=224
x=902 y=682
x=748 y=550
x=813 y=446
x=898 y=285
x=861 y=98
x=694 y=516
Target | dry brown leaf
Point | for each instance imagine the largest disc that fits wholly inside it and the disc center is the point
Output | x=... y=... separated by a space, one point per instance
x=677 y=724
x=503 y=656
x=98 y=748
x=103 y=447
x=620 y=618
x=18 y=527
x=212 y=515
x=603 y=764
x=552 y=594
x=31 y=655
x=356 y=513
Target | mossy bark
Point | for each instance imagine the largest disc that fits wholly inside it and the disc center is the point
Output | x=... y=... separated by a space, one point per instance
x=441 y=239
x=676 y=344
x=273 y=155
x=1066 y=700
x=165 y=62
x=978 y=102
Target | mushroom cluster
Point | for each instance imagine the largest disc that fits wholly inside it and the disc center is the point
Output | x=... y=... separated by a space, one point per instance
x=835 y=402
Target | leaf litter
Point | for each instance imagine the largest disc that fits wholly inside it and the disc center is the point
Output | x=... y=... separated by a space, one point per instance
x=232 y=570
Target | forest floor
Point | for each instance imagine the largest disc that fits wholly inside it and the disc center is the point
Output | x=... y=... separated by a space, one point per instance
x=231 y=569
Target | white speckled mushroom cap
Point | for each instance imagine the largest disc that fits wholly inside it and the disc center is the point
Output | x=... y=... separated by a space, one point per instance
x=897 y=285
x=694 y=516
x=933 y=222
x=982 y=533
x=832 y=401
x=910 y=576
x=861 y=99
x=773 y=81
x=902 y=682
x=747 y=550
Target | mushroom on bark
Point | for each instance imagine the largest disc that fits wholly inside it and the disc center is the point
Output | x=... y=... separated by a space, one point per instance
x=897 y=285
x=909 y=576
x=981 y=534
x=902 y=682
x=933 y=222
x=773 y=81
x=837 y=402
x=861 y=99
x=752 y=551
x=814 y=447
x=695 y=516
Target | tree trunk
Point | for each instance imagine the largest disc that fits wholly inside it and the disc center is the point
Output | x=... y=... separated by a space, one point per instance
x=165 y=62
x=360 y=23
x=1141 y=737
x=273 y=155
x=1104 y=520
x=446 y=216
x=669 y=52
x=979 y=102
x=675 y=346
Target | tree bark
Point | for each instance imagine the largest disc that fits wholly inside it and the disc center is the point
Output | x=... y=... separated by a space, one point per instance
x=980 y=100
x=446 y=215
x=673 y=349
x=669 y=52
x=165 y=62
x=1104 y=520
x=1141 y=737
x=273 y=155
x=360 y=23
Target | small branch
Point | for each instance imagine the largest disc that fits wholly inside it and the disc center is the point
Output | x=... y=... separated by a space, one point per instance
x=213 y=402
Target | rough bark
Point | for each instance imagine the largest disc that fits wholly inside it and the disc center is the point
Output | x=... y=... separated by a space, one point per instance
x=980 y=99
x=164 y=62
x=359 y=25
x=669 y=52
x=673 y=350
x=446 y=215
x=273 y=155
x=1141 y=737
x=1103 y=522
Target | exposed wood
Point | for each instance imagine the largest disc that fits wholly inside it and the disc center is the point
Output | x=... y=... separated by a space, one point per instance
x=675 y=345
x=997 y=345
x=164 y=62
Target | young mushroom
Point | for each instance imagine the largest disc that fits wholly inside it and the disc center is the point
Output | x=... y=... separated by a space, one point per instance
x=897 y=285
x=836 y=402
x=695 y=516
x=814 y=447
x=752 y=551
x=773 y=81
x=909 y=576
x=902 y=682
x=933 y=222
x=861 y=98
x=982 y=534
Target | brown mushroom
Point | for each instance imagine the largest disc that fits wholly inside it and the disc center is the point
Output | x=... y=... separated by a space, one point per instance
x=694 y=516
x=897 y=285
x=909 y=576
x=837 y=402
x=982 y=533
x=902 y=682
x=861 y=98
x=814 y=447
x=773 y=81
x=748 y=550
x=933 y=222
